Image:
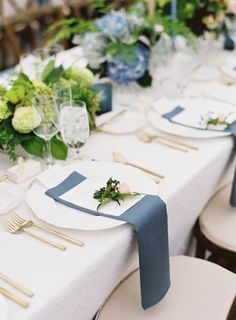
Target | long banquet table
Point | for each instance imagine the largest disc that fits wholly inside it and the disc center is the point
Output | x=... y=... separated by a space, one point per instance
x=71 y=285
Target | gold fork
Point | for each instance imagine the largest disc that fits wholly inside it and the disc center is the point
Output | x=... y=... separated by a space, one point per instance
x=21 y=222
x=13 y=228
x=23 y=303
x=17 y=285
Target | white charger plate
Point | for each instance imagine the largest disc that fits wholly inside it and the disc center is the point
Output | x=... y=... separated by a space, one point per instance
x=10 y=196
x=228 y=67
x=126 y=123
x=50 y=211
x=3 y=308
x=204 y=105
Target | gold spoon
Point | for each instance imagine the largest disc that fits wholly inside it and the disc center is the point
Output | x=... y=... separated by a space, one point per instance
x=120 y=158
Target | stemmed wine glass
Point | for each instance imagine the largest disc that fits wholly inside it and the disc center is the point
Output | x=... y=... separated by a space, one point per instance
x=74 y=125
x=43 y=55
x=47 y=110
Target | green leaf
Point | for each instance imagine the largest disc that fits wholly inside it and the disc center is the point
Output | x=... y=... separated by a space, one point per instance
x=11 y=106
x=123 y=51
x=34 y=146
x=55 y=75
x=145 y=80
x=58 y=148
x=47 y=70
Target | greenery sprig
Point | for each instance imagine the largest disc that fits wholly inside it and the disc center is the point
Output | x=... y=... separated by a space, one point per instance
x=114 y=191
x=215 y=120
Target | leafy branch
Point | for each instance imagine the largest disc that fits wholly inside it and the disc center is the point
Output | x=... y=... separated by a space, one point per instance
x=113 y=192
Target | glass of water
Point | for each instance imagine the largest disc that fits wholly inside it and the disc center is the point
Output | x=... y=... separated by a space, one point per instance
x=74 y=125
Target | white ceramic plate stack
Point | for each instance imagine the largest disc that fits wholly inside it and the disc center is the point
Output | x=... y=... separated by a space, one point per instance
x=228 y=68
x=125 y=123
x=197 y=106
x=59 y=215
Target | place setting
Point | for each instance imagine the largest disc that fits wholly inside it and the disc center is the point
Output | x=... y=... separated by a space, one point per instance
x=192 y=118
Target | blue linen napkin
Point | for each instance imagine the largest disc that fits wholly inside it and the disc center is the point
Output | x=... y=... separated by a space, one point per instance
x=149 y=220
x=231 y=129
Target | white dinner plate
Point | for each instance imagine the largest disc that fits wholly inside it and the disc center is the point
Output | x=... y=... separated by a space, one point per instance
x=228 y=68
x=204 y=105
x=50 y=211
x=10 y=196
x=126 y=123
x=205 y=74
x=3 y=308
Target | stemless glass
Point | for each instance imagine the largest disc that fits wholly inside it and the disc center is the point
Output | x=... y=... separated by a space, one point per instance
x=49 y=126
x=74 y=125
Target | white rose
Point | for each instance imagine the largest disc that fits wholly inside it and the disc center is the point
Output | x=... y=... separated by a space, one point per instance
x=221 y=118
x=124 y=188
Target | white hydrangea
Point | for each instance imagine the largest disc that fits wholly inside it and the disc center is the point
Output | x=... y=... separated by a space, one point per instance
x=25 y=119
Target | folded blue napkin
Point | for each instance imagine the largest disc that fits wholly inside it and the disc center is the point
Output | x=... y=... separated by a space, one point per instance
x=149 y=220
x=231 y=129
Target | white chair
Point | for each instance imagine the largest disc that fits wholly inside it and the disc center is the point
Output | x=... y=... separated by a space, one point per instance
x=215 y=230
x=200 y=290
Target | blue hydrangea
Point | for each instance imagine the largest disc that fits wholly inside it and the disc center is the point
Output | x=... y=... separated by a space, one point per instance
x=124 y=72
x=115 y=26
x=94 y=46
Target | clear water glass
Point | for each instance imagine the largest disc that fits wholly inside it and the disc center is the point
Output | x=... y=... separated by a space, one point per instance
x=46 y=110
x=74 y=125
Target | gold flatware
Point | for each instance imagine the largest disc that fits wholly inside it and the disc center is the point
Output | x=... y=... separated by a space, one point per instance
x=4 y=177
x=155 y=178
x=120 y=158
x=16 y=285
x=29 y=223
x=145 y=137
x=110 y=120
x=23 y=303
x=11 y=227
x=172 y=143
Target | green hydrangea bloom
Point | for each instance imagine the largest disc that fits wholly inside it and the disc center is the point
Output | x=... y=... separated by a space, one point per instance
x=4 y=111
x=82 y=75
x=2 y=91
x=42 y=90
x=15 y=94
x=21 y=91
x=25 y=119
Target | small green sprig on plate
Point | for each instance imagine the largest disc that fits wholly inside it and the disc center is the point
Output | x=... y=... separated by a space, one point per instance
x=211 y=119
x=113 y=191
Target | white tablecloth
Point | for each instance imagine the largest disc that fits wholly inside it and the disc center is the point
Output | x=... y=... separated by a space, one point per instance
x=72 y=285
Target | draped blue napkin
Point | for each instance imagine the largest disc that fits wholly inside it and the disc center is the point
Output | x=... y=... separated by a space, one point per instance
x=231 y=129
x=149 y=220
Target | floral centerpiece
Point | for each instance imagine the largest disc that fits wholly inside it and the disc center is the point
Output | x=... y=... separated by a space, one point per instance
x=118 y=44
x=18 y=117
